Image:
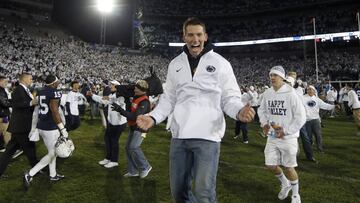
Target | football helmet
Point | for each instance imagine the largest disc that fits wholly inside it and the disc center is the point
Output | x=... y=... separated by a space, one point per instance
x=64 y=147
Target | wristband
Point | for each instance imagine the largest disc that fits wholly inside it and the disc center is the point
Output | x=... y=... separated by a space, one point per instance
x=60 y=126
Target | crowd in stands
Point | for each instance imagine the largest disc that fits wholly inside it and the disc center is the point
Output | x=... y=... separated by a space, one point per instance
x=240 y=29
x=44 y=55
x=218 y=8
x=73 y=59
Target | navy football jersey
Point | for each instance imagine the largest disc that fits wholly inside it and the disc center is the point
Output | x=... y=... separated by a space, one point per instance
x=46 y=121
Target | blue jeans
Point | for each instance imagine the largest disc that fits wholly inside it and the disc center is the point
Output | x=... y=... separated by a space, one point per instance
x=306 y=142
x=314 y=127
x=136 y=160
x=193 y=159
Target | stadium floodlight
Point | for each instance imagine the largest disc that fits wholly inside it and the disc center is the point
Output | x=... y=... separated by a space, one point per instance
x=105 y=6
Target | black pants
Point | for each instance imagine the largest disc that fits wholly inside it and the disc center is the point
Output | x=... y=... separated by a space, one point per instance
x=112 y=135
x=2 y=142
x=243 y=127
x=347 y=108
x=72 y=122
x=256 y=117
x=18 y=141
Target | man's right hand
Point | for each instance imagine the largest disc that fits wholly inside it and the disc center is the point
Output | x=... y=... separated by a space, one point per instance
x=145 y=122
x=266 y=129
x=34 y=102
x=64 y=132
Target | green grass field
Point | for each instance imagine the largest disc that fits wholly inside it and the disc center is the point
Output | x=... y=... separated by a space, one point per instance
x=241 y=176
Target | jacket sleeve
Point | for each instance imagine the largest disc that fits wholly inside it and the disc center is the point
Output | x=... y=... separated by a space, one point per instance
x=262 y=113
x=299 y=116
x=143 y=108
x=5 y=102
x=325 y=106
x=99 y=99
x=167 y=99
x=231 y=96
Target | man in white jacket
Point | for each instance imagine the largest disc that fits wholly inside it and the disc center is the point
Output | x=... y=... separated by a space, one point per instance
x=331 y=97
x=72 y=106
x=282 y=114
x=313 y=104
x=354 y=104
x=200 y=86
x=116 y=124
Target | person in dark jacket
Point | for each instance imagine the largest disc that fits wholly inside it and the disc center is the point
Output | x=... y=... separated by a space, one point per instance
x=23 y=103
x=5 y=103
x=137 y=164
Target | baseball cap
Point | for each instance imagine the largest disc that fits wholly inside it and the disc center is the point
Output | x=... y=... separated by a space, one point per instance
x=142 y=85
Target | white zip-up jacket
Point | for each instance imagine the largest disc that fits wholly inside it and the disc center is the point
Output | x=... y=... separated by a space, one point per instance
x=284 y=108
x=73 y=98
x=313 y=104
x=354 y=102
x=114 y=117
x=198 y=102
x=331 y=95
x=254 y=98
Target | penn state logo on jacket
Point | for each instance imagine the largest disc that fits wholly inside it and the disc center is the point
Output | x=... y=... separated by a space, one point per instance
x=210 y=69
x=311 y=103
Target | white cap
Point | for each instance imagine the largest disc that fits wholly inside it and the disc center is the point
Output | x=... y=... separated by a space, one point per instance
x=312 y=87
x=278 y=70
x=114 y=82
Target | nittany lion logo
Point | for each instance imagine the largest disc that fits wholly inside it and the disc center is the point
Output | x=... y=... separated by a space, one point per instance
x=311 y=103
x=210 y=69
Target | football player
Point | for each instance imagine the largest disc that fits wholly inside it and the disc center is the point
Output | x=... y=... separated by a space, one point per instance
x=50 y=127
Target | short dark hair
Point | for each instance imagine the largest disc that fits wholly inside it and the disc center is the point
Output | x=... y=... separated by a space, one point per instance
x=73 y=82
x=2 y=77
x=193 y=21
x=23 y=75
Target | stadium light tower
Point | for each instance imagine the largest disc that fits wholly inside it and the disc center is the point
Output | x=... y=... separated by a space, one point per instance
x=105 y=7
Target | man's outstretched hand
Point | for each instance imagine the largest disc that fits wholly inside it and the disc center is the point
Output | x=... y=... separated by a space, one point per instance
x=246 y=114
x=145 y=122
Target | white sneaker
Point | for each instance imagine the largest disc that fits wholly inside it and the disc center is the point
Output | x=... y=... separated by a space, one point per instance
x=111 y=164
x=104 y=162
x=295 y=199
x=143 y=174
x=284 y=192
x=129 y=175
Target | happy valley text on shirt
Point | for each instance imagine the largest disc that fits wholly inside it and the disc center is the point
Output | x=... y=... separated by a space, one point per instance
x=276 y=107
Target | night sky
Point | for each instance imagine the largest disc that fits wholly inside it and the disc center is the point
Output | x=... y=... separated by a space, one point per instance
x=82 y=19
